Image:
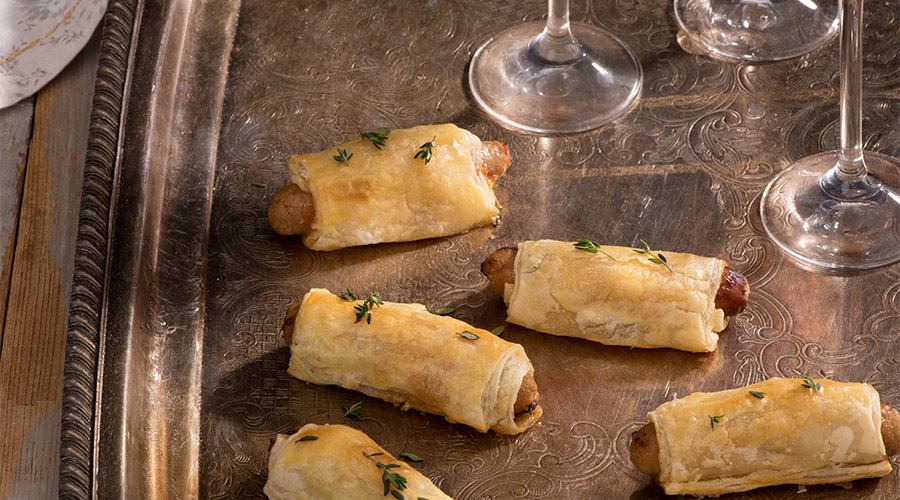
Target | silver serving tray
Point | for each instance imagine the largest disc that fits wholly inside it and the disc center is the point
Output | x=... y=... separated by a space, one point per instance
x=175 y=377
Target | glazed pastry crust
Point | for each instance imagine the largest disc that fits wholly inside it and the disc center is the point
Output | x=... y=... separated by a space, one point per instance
x=628 y=301
x=334 y=467
x=412 y=358
x=387 y=195
x=791 y=436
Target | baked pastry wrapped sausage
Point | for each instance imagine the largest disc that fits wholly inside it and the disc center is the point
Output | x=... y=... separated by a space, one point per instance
x=383 y=193
x=781 y=431
x=615 y=295
x=410 y=357
x=338 y=462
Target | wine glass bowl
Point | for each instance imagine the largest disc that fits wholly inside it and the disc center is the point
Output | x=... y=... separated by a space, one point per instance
x=555 y=77
x=758 y=30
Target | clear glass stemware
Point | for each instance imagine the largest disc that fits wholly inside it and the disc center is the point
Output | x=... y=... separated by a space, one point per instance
x=555 y=77
x=758 y=30
x=839 y=209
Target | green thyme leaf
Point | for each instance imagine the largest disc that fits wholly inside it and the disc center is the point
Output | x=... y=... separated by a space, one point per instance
x=307 y=438
x=443 y=311
x=713 y=420
x=468 y=335
x=424 y=152
x=499 y=330
x=342 y=156
x=353 y=410
x=347 y=295
x=396 y=494
x=591 y=246
x=809 y=383
x=257 y=184
x=646 y=248
x=364 y=310
x=388 y=478
x=757 y=394
x=378 y=137
x=411 y=457
x=659 y=259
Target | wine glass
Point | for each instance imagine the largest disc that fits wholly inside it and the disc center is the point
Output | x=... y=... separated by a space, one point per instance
x=758 y=30
x=555 y=77
x=840 y=209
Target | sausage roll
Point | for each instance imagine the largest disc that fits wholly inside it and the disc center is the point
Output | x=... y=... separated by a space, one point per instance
x=781 y=431
x=403 y=354
x=338 y=462
x=422 y=182
x=616 y=295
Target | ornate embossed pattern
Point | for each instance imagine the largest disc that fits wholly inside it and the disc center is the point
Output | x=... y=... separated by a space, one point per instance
x=683 y=170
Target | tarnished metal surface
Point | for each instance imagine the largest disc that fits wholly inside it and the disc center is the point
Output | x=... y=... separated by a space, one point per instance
x=193 y=382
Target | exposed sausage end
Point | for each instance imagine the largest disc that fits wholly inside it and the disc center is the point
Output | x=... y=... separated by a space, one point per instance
x=527 y=398
x=890 y=429
x=645 y=450
x=733 y=292
x=292 y=211
x=499 y=268
x=290 y=317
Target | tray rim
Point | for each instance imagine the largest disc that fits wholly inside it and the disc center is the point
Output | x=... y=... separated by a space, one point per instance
x=92 y=250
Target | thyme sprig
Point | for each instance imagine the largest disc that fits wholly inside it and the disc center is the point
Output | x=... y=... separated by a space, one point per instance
x=809 y=383
x=342 y=156
x=591 y=246
x=659 y=259
x=353 y=410
x=713 y=420
x=424 y=152
x=443 y=310
x=364 y=310
x=411 y=457
x=348 y=295
x=388 y=478
x=378 y=137
x=758 y=394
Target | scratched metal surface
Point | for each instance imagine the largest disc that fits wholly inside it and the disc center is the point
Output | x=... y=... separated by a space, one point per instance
x=193 y=384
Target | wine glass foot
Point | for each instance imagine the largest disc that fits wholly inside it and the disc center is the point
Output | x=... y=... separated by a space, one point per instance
x=758 y=30
x=815 y=217
x=515 y=85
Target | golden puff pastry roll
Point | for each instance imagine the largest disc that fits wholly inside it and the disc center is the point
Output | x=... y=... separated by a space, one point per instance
x=781 y=431
x=405 y=355
x=324 y=462
x=405 y=185
x=617 y=295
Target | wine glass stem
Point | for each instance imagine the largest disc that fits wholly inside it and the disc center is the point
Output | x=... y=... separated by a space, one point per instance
x=850 y=160
x=556 y=45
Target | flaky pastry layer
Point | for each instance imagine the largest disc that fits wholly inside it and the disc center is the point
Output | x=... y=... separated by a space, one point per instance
x=412 y=358
x=388 y=195
x=617 y=298
x=792 y=435
x=333 y=466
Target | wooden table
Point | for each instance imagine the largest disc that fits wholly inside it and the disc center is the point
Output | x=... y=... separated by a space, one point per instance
x=43 y=141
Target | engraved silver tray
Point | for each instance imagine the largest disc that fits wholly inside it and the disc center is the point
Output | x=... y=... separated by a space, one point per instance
x=175 y=377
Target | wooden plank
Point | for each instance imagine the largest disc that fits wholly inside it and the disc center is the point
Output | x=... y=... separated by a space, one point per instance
x=33 y=343
x=15 y=131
